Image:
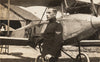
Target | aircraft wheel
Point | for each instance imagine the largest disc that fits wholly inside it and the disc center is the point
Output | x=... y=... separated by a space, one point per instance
x=39 y=59
x=84 y=58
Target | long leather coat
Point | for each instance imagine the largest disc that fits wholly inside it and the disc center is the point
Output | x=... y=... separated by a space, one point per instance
x=52 y=43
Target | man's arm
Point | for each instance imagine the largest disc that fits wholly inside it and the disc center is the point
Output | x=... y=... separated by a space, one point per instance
x=59 y=29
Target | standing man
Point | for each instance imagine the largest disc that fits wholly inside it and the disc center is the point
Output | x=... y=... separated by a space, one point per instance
x=52 y=36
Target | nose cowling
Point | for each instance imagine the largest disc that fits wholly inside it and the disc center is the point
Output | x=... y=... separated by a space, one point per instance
x=96 y=22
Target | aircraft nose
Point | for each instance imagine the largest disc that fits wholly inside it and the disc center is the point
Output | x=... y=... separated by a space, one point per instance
x=96 y=22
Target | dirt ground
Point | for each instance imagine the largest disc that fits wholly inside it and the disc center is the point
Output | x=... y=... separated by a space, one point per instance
x=28 y=54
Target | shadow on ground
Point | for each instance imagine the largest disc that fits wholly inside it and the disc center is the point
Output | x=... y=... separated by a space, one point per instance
x=33 y=60
x=19 y=55
x=28 y=59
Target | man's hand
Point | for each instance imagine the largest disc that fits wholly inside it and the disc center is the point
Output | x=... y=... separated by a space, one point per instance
x=48 y=56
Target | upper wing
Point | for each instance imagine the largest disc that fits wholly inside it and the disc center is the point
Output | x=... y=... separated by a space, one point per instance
x=88 y=1
x=27 y=3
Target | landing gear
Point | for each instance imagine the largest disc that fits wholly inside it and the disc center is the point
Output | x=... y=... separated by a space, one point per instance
x=39 y=59
x=82 y=57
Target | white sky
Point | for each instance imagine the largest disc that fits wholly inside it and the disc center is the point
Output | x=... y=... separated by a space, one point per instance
x=38 y=11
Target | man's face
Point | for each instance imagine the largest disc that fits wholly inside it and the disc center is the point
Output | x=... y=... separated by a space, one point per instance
x=50 y=14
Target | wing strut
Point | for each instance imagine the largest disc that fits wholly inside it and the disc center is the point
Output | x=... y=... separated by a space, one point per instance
x=40 y=20
x=62 y=9
x=8 y=17
x=43 y=14
x=94 y=9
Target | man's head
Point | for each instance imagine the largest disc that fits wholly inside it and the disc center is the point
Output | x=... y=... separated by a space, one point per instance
x=51 y=13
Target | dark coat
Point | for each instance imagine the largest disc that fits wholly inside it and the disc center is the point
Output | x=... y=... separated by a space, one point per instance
x=52 y=43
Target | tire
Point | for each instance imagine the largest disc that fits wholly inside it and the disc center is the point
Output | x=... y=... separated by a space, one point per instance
x=84 y=58
x=39 y=59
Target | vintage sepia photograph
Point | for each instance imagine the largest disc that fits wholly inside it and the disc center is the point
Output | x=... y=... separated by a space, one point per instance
x=49 y=31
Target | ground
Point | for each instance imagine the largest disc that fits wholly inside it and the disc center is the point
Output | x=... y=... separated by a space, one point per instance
x=28 y=54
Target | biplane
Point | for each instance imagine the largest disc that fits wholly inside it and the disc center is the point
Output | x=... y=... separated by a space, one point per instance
x=81 y=22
